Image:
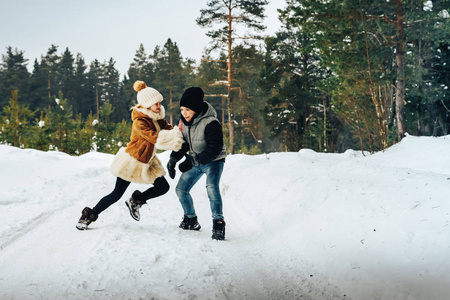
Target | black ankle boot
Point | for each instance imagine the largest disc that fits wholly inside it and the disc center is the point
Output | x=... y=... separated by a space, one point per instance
x=218 y=231
x=190 y=223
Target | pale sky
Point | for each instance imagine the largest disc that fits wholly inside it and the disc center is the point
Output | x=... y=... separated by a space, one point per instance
x=101 y=29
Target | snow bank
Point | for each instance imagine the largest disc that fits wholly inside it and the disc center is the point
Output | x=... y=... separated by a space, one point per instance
x=302 y=225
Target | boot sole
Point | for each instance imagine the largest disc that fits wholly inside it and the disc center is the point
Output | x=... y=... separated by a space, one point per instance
x=218 y=237
x=193 y=229
x=81 y=226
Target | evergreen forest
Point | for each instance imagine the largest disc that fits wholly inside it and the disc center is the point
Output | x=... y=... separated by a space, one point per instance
x=338 y=75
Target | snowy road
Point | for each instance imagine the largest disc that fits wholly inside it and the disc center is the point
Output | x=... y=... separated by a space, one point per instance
x=299 y=226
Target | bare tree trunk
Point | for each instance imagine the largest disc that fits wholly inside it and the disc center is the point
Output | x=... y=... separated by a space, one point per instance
x=49 y=91
x=400 y=57
x=229 y=77
x=383 y=98
x=223 y=111
x=324 y=123
x=369 y=134
x=49 y=88
x=377 y=101
x=170 y=99
x=15 y=118
x=171 y=73
x=59 y=137
x=96 y=98
x=360 y=132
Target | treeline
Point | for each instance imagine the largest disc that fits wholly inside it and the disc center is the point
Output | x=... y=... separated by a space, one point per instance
x=337 y=75
x=66 y=105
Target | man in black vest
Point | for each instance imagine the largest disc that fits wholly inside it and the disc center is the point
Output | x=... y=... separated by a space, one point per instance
x=205 y=153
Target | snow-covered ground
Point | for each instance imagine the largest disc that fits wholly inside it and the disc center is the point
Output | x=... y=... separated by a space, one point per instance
x=300 y=225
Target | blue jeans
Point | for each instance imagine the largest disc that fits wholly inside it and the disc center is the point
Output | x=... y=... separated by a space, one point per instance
x=213 y=171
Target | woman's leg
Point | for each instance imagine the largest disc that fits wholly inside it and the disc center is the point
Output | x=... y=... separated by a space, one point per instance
x=116 y=194
x=159 y=188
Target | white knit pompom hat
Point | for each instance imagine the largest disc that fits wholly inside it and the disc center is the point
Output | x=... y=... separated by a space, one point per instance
x=146 y=96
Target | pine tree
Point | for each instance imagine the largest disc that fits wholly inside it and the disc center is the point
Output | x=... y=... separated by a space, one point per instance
x=112 y=92
x=80 y=86
x=425 y=64
x=290 y=82
x=439 y=72
x=96 y=82
x=15 y=129
x=390 y=38
x=122 y=134
x=61 y=124
x=49 y=65
x=250 y=128
x=66 y=76
x=41 y=133
x=169 y=79
x=106 y=111
x=105 y=129
x=13 y=75
x=228 y=14
x=189 y=71
x=212 y=77
x=88 y=135
x=38 y=88
x=76 y=136
x=350 y=39
x=140 y=69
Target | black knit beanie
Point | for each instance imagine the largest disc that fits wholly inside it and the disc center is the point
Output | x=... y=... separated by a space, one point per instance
x=193 y=99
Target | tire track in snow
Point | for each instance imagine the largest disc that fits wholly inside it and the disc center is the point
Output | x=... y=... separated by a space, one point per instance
x=50 y=255
x=13 y=234
x=50 y=207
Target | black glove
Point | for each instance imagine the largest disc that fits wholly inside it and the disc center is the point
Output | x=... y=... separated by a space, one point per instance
x=186 y=165
x=171 y=167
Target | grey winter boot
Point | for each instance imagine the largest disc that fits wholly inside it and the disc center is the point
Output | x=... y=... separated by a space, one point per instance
x=87 y=217
x=134 y=203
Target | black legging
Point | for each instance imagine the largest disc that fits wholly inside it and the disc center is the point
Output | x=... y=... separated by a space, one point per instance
x=160 y=187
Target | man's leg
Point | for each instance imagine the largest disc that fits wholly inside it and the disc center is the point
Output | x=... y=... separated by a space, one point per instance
x=213 y=172
x=187 y=181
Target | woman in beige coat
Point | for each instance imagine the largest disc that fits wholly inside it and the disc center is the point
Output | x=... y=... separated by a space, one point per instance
x=138 y=161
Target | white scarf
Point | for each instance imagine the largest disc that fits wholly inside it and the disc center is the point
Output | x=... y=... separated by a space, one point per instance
x=151 y=114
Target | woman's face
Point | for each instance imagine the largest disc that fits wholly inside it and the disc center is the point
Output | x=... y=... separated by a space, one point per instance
x=187 y=113
x=156 y=108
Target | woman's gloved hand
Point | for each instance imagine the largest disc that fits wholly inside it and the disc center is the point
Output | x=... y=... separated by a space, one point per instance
x=171 y=167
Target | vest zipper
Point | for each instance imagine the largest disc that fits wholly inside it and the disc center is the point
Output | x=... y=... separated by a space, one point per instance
x=190 y=140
